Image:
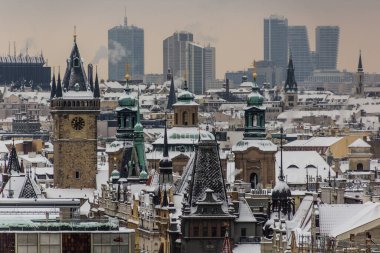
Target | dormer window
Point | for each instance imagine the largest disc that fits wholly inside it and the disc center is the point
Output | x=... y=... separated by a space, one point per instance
x=76 y=62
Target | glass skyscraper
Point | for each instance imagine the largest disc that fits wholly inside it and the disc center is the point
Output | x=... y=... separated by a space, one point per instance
x=276 y=41
x=125 y=47
x=299 y=47
x=174 y=53
x=327 y=41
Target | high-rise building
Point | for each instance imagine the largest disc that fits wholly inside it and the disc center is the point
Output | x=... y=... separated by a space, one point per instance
x=327 y=41
x=208 y=65
x=276 y=41
x=195 y=69
x=125 y=47
x=174 y=53
x=189 y=60
x=300 y=50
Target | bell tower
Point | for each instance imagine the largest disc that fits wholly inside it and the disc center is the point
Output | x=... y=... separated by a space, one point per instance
x=74 y=107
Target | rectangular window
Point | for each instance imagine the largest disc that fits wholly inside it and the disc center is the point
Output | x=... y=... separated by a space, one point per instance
x=77 y=174
x=195 y=231
x=27 y=243
x=112 y=242
x=205 y=231
x=243 y=232
x=213 y=231
x=50 y=243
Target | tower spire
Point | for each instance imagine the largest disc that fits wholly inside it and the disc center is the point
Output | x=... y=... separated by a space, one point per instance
x=290 y=83
x=172 y=98
x=96 y=88
x=59 y=85
x=360 y=65
x=53 y=85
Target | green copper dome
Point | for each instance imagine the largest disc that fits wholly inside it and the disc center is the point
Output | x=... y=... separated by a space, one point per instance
x=127 y=100
x=115 y=174
x=255 y=98
x=143 y=175
x=138 y=127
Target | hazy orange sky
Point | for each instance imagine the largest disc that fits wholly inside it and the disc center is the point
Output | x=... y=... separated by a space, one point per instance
x=234 y=27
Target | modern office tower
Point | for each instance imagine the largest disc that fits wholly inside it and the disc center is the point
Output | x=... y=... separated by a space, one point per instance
x=276 y=41
x=194 y=70
x=208 y=65
x=327 y=41
x=125 y=47
x=300 y=50
x=174 y=53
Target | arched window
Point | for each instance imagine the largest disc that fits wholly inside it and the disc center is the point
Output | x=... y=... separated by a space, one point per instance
x=359 y=167
x=254 y=179
x=76 y=62
x=185 y=118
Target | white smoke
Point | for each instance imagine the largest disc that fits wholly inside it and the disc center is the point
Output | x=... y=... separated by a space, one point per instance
x=116 y=53
x=101 y=54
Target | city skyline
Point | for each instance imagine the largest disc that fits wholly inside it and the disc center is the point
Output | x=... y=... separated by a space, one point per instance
x=237 y=48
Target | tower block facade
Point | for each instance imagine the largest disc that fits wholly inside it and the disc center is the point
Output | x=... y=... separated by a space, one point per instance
x=74 y=108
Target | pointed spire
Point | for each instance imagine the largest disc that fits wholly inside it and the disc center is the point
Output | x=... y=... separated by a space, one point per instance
x=166 y=162
x=75 y=73
x=290 y=83
x=96 y=88
x=172 y=97
x=360 y=65
x=53 y=86
x=281 y=177
x=90 y=76
x=13 y=164
x=75 y=34
x=59 y=85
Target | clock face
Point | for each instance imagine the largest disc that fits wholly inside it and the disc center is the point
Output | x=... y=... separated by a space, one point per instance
x=77 y=123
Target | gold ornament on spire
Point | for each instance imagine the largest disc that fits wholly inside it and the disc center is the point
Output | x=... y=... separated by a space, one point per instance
x=75 y=33
x=254 y=73
x=127 y=76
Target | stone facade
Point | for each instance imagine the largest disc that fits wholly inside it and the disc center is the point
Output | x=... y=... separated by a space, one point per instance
x=75 y=149
x=254 y=161
x=185 y=115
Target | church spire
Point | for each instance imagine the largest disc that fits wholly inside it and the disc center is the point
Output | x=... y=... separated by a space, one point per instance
x=172 y=98
x=360 y=65
x=290 y=83
x=166 y=165
x=75 y=73
x=13 y=164
x=59 y=85
x=53 y=86
x=96 y=88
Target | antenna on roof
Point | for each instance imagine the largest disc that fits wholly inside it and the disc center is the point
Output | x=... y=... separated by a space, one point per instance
x=14 y=49
x=9 y=48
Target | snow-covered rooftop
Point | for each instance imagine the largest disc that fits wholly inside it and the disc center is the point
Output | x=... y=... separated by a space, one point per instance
x=263 y=145
x=298 y=164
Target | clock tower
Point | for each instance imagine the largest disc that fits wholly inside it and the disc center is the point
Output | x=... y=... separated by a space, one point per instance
x=74 y=106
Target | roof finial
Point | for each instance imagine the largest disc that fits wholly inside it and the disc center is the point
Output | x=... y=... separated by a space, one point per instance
x=254 y=73
x=96 y=87
x=75 y=33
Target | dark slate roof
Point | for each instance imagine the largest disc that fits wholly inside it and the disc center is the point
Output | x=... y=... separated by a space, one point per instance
x=207 y=173
x=75 y=71
x=28 y=190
